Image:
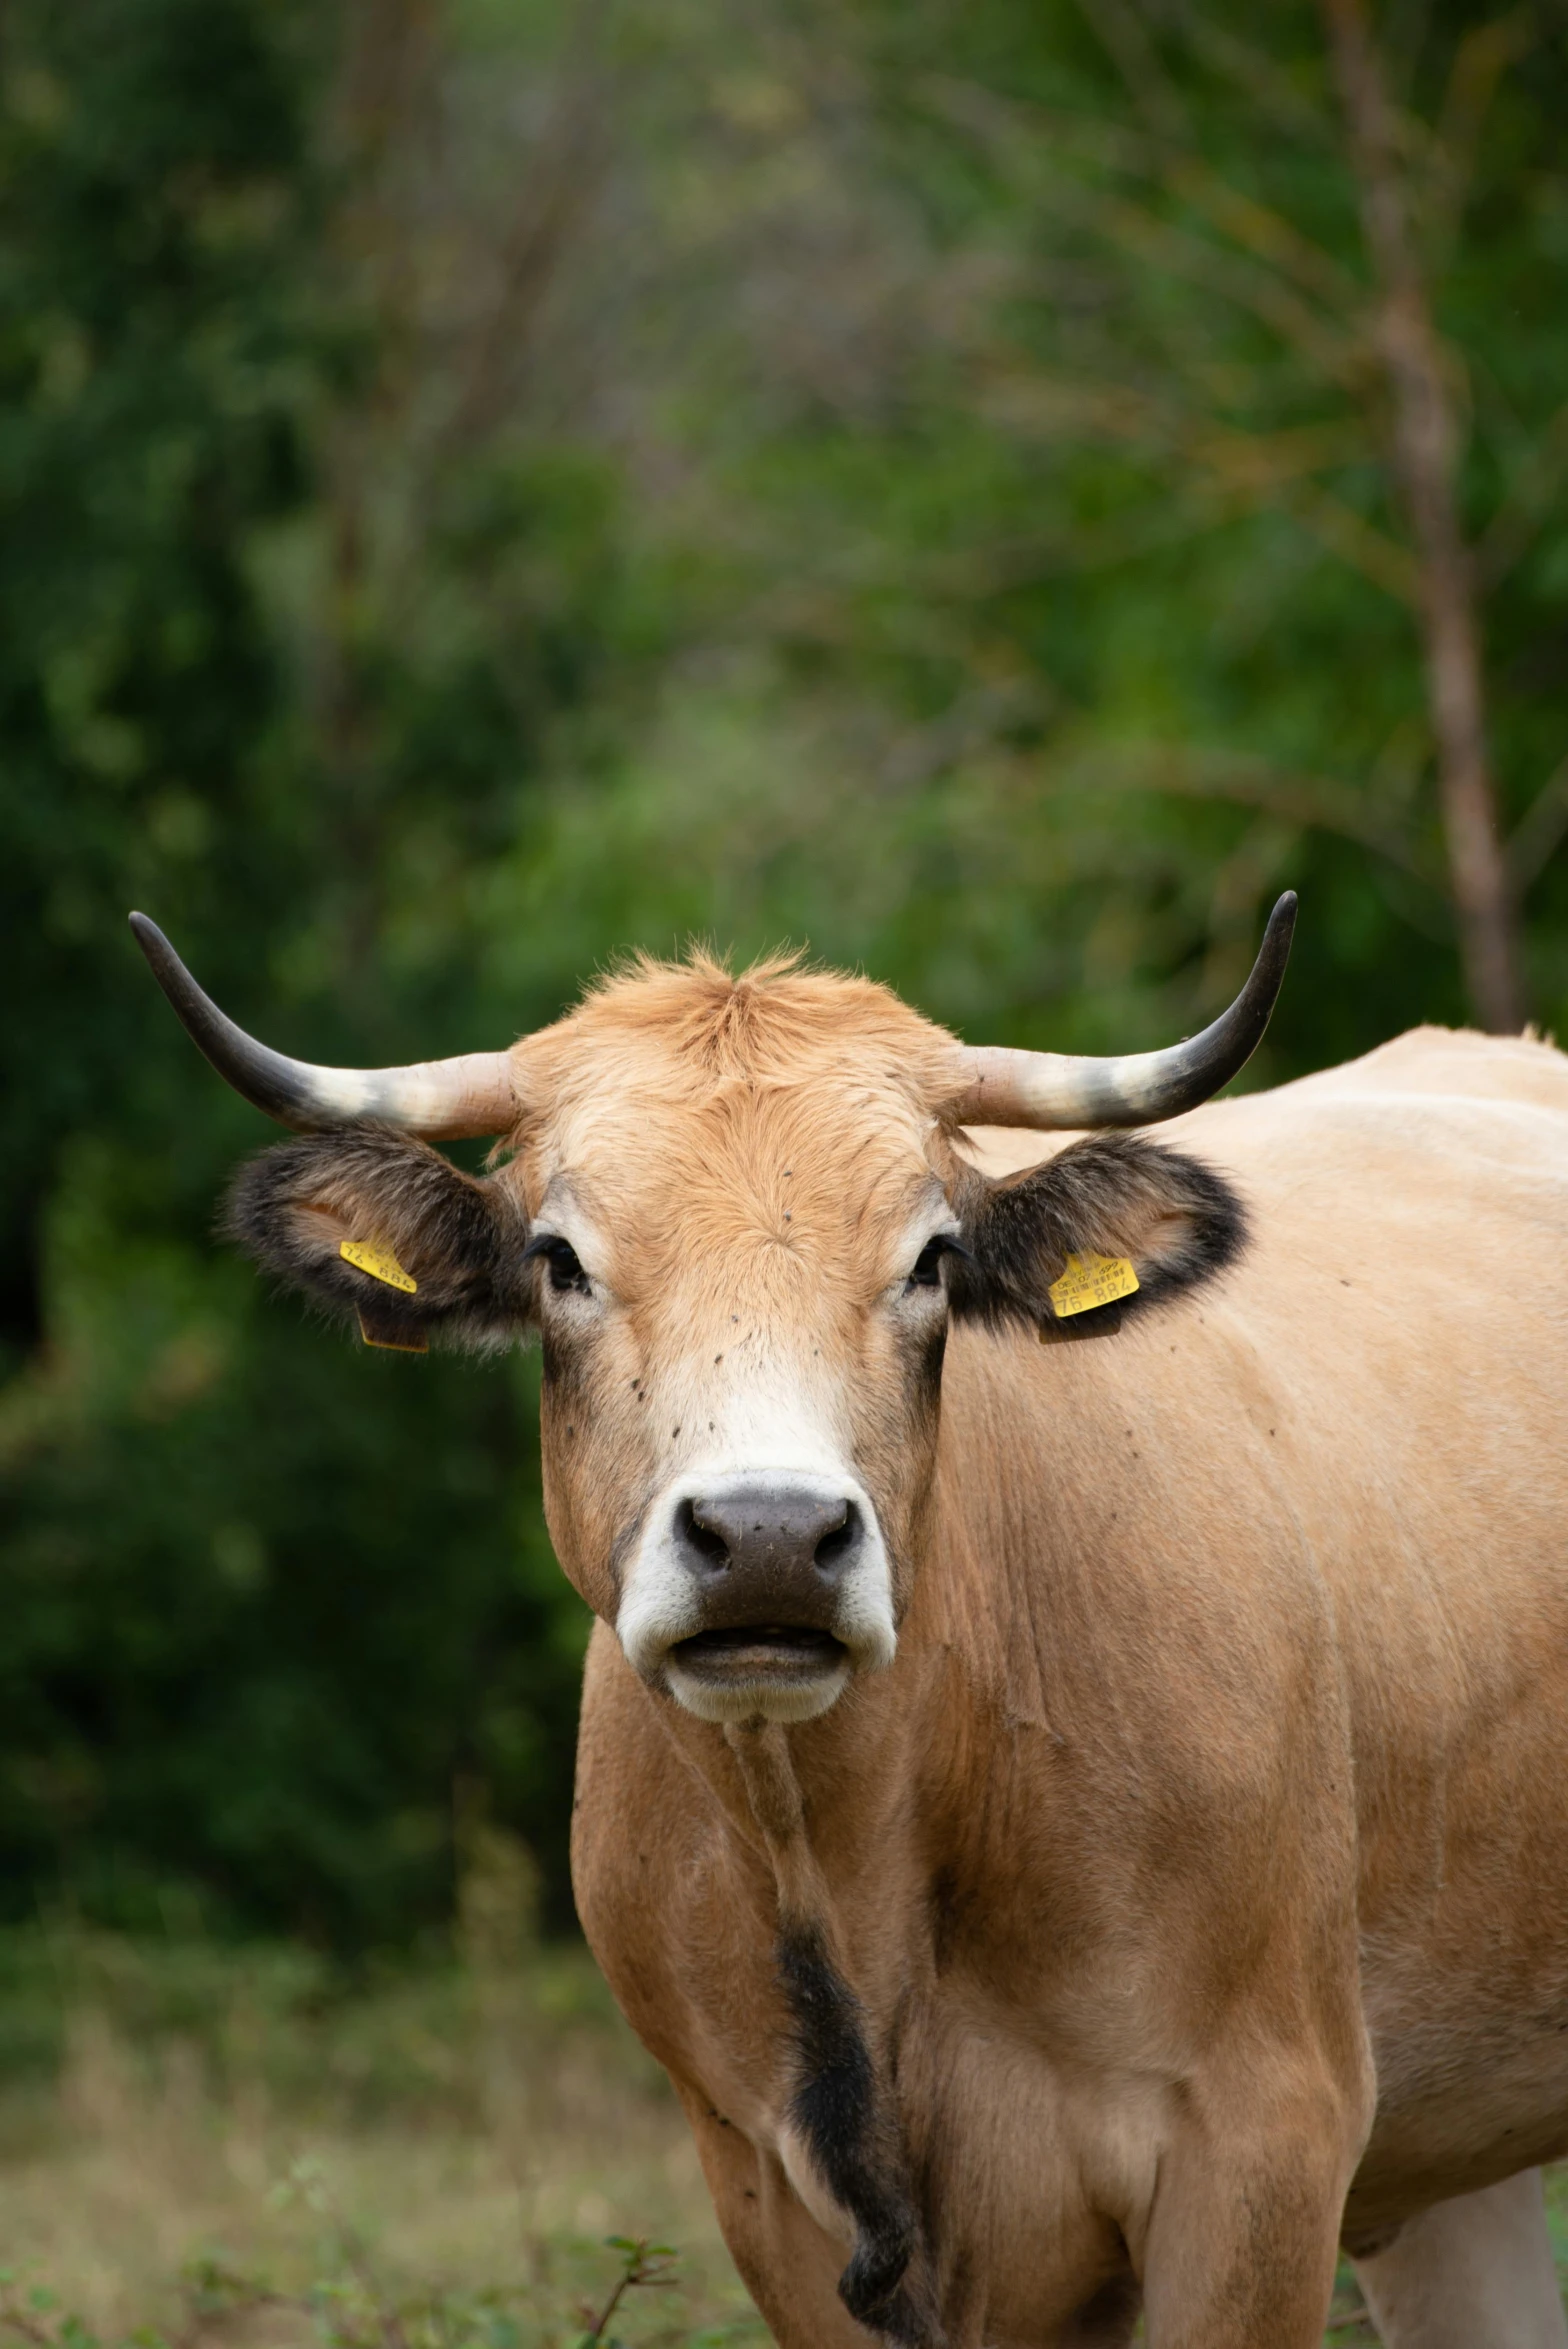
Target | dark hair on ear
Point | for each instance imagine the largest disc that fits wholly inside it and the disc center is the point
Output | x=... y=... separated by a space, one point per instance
x=458 y=1237
x=1178 y=1222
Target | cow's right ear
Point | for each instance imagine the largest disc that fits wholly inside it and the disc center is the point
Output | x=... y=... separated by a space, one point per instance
x=1165 y=1217
x=382 y=1232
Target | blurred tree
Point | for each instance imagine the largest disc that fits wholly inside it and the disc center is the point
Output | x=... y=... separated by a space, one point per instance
x=283 y=645
x=1421 y=438
x=1089 y=456
x=994 y=491
x=152 y=214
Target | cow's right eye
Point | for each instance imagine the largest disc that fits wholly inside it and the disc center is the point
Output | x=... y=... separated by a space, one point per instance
x=566 y=1270
x=926 y=1271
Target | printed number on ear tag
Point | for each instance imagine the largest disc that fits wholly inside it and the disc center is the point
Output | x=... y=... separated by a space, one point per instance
x=380 y=1263
x=1089 y=1281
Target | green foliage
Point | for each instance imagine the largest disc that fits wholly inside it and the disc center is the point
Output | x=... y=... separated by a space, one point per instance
x=351 y=2308
x=151 y=210
x=484 y=488
x=262 y=1620
x=351 y=2311
x=1099 y=494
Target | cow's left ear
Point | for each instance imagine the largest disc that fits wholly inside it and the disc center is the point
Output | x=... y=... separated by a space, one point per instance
x=382 y=1232
x=1109 y=1196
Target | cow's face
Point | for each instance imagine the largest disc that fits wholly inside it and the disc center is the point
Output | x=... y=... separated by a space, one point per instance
x=736 y=1217
x=741 y=1243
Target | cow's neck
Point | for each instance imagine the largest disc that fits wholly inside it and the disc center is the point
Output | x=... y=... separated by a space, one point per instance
x=859 y=1824
x=843 y=2104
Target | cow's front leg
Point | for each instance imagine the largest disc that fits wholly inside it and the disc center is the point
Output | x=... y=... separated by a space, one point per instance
x=1243 y=2229
x=788 y=2265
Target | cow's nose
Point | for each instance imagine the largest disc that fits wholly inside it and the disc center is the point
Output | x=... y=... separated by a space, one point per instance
x=772 y=1552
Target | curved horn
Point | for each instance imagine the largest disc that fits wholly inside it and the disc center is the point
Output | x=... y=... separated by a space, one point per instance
x=445 y=1100
x=1002 y=1087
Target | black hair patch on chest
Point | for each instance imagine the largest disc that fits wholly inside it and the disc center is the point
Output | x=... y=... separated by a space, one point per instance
x=852 y=2139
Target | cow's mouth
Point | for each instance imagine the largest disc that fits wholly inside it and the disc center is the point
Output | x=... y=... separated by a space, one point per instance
x=760 y=1651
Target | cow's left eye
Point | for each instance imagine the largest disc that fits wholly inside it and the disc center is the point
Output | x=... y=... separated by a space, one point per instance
x=926 y=1272
x=566 y=1271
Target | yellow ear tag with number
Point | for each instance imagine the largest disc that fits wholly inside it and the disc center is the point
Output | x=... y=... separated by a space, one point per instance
x=375 y=1328
x=380 y=1263
x=1089 y=1281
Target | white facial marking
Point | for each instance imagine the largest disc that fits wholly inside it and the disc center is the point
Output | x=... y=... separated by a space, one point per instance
x=765 y=1437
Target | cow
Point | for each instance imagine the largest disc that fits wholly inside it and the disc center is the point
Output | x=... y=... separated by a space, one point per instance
x=1073 y=1776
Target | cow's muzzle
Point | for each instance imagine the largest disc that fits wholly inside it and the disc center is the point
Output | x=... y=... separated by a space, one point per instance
x=759 y=1594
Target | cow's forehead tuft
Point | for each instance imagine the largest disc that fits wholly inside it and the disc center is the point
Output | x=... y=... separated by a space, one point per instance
x=782 y=1100
x=746 y=1168
x=692 y=1033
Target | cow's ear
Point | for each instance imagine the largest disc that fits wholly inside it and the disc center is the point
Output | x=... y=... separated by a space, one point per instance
x=1110 y=1196
x=382 y=1232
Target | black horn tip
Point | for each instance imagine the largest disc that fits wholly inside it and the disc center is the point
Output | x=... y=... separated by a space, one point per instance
x=260 y=1076
x=1201 y=1068
x=1274 y=952
x=160 y=954
x=151 y=939
x=170 y=973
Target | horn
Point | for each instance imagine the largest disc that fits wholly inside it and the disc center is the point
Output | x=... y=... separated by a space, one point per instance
x=1002 y=1087
x=445 y=1100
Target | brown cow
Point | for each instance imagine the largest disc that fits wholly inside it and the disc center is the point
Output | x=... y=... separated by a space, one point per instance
x=1082 y=1824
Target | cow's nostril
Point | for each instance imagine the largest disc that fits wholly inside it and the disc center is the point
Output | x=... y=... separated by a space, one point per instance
x=839 y=1538
x=704 y=1539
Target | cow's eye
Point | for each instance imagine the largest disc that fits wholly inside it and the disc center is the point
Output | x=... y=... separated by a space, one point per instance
x=566 y=1270
x=926 y=1272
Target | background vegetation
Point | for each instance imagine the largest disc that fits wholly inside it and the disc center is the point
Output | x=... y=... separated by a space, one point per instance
x=991 y=491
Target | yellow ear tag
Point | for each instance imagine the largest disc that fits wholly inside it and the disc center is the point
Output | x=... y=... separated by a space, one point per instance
x=380 y=1263
x=394 y=1341
x=375 y=1328
x=1090 y=1281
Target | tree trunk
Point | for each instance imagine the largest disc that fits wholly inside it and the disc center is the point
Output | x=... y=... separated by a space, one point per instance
x=1425 y=451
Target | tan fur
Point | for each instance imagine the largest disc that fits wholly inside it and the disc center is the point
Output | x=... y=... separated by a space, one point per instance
x=1203 y=1856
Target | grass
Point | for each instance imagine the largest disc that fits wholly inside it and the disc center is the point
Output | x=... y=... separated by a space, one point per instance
x=204 y=2149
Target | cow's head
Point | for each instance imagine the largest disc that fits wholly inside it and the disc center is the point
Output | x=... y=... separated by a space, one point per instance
x=739 y=1215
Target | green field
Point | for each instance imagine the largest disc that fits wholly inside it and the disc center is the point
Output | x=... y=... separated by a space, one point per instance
x=200 y=2147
